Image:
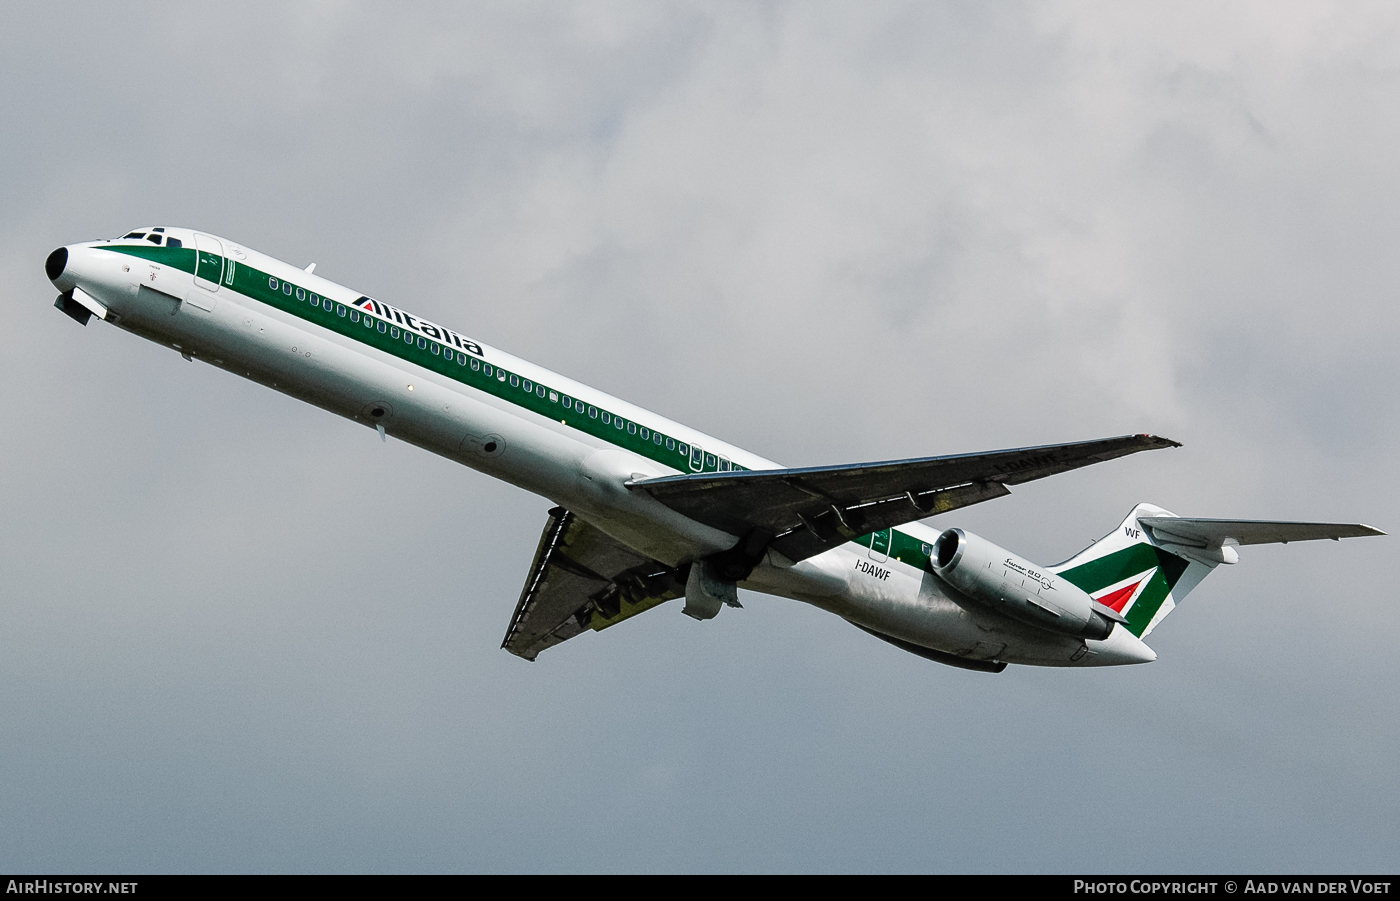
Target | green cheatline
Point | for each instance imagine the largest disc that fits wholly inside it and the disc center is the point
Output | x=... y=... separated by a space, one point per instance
x=469 y=370
x=411 y=347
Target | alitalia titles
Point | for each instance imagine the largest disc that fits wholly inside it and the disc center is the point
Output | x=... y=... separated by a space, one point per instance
x=388 y=313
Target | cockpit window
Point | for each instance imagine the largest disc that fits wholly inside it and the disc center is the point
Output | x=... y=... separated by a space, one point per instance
x=157 y=229
x=154 y=239
x=134 y=235
x=174 y=242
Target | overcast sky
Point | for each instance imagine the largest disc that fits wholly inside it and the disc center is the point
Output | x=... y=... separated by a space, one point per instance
x=240 y=634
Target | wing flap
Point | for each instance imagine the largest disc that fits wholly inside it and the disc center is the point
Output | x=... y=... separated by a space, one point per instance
x=583 y=579
x=802 y=512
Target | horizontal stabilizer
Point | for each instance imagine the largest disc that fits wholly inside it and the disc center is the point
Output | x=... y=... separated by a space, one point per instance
x=1206 y=533
x=1144 y=568
x=803 y=512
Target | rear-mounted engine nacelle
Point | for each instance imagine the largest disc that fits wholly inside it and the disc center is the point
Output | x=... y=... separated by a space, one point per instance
x=1015 y=586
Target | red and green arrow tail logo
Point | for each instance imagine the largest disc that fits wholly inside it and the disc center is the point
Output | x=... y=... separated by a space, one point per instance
x=1136 y=581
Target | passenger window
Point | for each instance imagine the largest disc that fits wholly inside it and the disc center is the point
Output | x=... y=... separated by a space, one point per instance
x=435 y=349
x=593 y=413
x=631 y=428
x=539 y=390
x=723 y=465
x=683 y=449
x=501 y=375
x=407 y=337
x=655 y=437
x=476 y=365
x=272 y=283
x=393 y=332
x=287 y=288
x=174 y=242
x=566 y=401
x=709 y=461
x=339 y=310
x=646 y=434
x=515 y=381
x=607 y=417
x=383 y=325
x=528 y=386
x=553 y=397
x=354 y=316
x=486 y=368
x=670 y=443
x=422 y=342
x=301 y=295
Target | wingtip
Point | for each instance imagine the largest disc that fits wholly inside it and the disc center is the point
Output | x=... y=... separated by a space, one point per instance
x=1159 y=441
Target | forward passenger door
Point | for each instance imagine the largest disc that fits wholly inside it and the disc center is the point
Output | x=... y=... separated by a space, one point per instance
x=209 y=262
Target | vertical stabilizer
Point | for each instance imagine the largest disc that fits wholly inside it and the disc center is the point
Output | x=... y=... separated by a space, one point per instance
x=1131 y=572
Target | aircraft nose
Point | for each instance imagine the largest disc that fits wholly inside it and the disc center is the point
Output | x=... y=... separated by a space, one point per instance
x=56 y=263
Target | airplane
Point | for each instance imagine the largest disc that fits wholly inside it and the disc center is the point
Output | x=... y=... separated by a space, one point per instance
x=648 y=510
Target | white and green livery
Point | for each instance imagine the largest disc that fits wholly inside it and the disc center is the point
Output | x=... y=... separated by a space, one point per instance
x=649 y=510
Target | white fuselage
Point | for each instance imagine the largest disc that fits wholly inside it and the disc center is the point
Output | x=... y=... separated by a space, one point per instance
x=524 y=440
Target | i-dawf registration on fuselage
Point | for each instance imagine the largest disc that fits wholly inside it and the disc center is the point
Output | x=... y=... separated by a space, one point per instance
x=650 y=510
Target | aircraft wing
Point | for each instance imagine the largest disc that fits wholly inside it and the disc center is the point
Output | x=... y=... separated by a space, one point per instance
x=1215 y=532
x=582 y=579
x=803 y=512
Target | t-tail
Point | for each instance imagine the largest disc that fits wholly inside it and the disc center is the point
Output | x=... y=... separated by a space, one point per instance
x=1146 y=566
